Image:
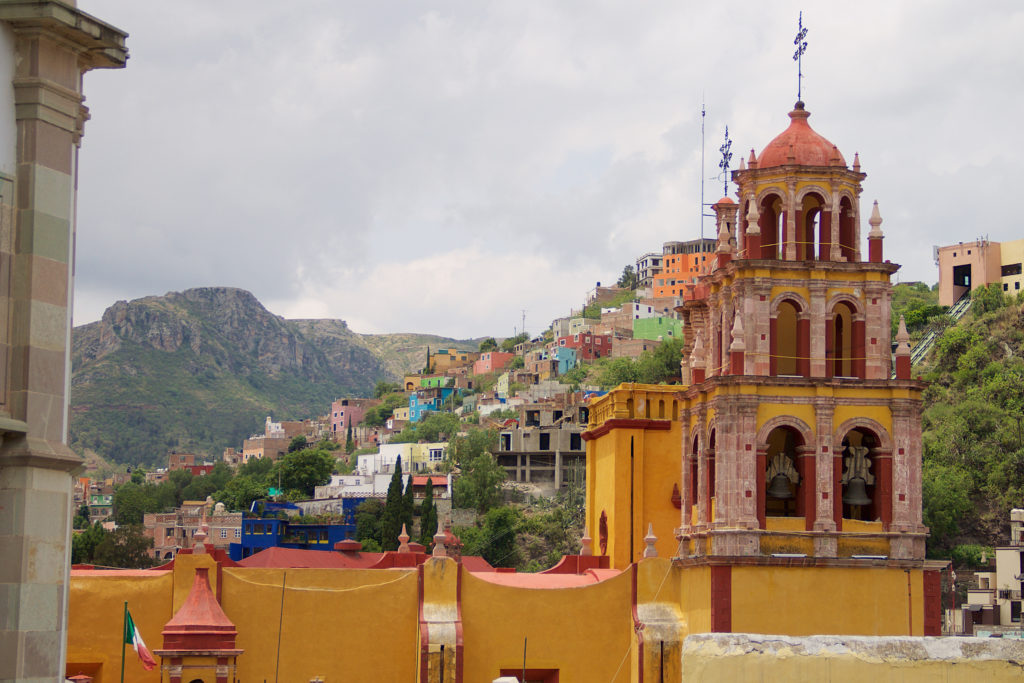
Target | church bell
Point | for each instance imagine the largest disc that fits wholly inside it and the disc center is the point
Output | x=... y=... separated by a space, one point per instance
x=856 y=493
x=779 y=487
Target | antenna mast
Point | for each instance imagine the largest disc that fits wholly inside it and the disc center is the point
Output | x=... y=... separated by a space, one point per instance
x=702 y=114
x=726 y=150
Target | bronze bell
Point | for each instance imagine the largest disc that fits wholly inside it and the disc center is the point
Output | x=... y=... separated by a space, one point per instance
x=856 y=493
x=779 y=487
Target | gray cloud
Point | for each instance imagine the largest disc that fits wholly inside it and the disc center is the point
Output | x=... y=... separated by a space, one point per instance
x=439 y=166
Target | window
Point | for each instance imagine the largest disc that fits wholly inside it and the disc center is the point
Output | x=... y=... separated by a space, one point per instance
x=1006 y=286
x=436 y=454
x=238 y=533
x=223 y=533
x=1011 y=269
x=506 y=442
x=575 y=442
x=545 y=442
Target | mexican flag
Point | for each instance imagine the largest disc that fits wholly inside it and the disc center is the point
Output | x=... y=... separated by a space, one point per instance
x=134 y=638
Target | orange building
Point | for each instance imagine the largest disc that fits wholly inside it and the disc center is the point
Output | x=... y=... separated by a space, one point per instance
x=682 y=263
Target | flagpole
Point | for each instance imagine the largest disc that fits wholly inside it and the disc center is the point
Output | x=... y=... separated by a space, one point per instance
x=124 y=636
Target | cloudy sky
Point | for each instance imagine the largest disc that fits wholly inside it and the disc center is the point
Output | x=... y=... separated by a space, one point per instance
x=441 y=166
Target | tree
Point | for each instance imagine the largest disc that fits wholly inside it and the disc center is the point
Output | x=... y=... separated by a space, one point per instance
x=499 y=537
x=350 y=444
x=428 y=515
x=488 y=344
x=297 y=444
x=391 y=520
x=384 y=387
x=479 y=485
x=516 y=363
x=126 y=547
x=132 y=501
x=508 y=345
x=303 y=471
x=81 y=518
x=83 y=545
x=408 y=505
x=369 y=515
x=463 y=449
x=627 y=279
x=240 y=492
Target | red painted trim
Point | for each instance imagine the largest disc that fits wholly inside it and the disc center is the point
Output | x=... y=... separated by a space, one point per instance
x=638 y=627
x=932 y=603
x=773 y=347
x=762 y=493
x=875 y=251
x=837 y=490
x=859 y=349
x=545 y=675
x=721 y=599
x=424 y=629
x=458 y=624
x=830 y=354
x=883 y=486
x=626 y=423
x=825 y=230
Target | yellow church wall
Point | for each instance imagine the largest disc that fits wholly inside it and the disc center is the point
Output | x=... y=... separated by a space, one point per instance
x=95 y=622
x=657 y=469
x=807 y=600
x=880 y=414
x=695 y=599
x=766 y=411
x=366 y=628
x=585 y=632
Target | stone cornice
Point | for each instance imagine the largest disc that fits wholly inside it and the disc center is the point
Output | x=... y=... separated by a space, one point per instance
x=102 y=45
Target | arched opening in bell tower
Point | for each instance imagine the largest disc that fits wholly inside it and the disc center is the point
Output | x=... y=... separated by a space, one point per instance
x=786 y=340
x=847 y=238
x=783 y=495
x=772 y=222
x=812 y=230
x=860 y=483
x=842 y=341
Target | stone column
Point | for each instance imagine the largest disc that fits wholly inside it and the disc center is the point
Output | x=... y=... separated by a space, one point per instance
x=835 y=252
x=789 y=249
x=50 y=45
x=818 y=337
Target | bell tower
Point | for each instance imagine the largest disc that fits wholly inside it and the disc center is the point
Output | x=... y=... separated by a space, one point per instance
x=797 y=442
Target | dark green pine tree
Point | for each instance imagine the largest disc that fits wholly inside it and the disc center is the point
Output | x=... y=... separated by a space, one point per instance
x=391 y=521
x=428 y=515
x=408 y=505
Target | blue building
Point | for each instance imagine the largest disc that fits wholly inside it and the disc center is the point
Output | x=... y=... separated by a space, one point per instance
x=428 y=400
x=268 y=531
x=566 y=359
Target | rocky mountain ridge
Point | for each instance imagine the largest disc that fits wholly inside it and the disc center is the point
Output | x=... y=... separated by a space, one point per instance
x=200 y=370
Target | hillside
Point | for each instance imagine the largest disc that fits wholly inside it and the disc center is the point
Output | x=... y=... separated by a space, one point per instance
x=201 y=369
x=973 y=428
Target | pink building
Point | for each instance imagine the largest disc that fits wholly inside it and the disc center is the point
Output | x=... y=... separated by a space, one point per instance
x=491 y=361
x=348 y=412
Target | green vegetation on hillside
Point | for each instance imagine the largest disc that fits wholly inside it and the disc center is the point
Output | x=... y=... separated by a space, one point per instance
x=973 y=436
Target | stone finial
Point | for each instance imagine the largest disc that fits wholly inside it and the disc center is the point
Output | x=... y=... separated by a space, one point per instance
x=737 y=335
x=723 y=237
x=585 y=544
x=439 y=550
x=753 y=216
x=875 y=221
x=403 y=541
x=697 y=355
x=650 y=539
x=199 y=540
x=743 y=164
x=856 y=162
x=752 y=163
x=836 y=159
x=902 y=337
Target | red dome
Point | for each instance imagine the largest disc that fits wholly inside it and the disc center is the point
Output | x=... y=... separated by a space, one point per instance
x=724 y=200
x=800 y=142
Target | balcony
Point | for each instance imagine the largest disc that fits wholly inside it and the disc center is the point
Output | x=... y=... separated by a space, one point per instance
x=984 y=597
